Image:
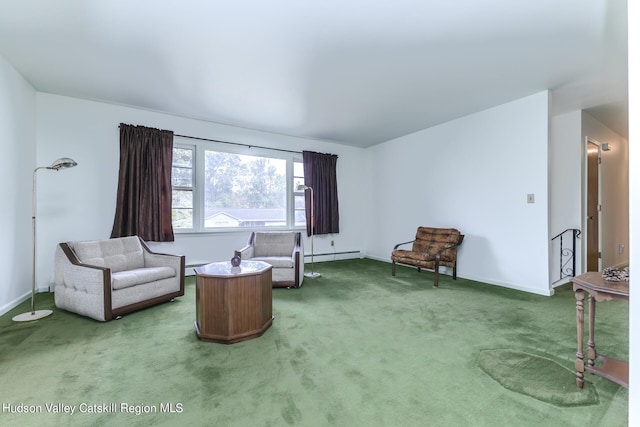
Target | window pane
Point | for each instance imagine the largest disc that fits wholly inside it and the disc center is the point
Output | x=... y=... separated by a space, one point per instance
x=300 y=218
x=244 y=191
x=182 y=218
x=182 y=199
x=297 y=182
x=182 y=209
x=299 y=198
x=299 y=202
x=183 y=157
x=181 y=177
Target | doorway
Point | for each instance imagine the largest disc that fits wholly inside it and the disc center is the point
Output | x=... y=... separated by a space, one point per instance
x=593 y=207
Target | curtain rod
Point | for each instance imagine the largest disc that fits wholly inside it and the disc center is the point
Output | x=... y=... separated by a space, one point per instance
x=237 y=143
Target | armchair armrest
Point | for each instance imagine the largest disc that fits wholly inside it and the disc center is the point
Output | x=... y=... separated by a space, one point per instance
x=93 y=279
x=400 y=244
x=246 y=252
x=298 y=260
x=450 y=246
x=296 y=250
x=155 y=259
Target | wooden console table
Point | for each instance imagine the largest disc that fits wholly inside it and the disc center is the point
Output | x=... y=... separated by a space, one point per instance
x=233 y=304
x=599 y=290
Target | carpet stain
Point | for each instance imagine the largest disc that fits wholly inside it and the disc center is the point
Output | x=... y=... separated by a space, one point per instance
x=290 y=413
x=281 y=344
x=15 y=336
x=355 y=375
x=210 y=373
x=300 y=352
x=537 y=377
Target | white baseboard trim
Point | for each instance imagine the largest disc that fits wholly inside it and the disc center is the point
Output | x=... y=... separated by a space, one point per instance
x=378 y=258
x=13 y=304
x=447 y=270
x=16 y=302
x=517 y=287
x=333 y=256
x=562 y=281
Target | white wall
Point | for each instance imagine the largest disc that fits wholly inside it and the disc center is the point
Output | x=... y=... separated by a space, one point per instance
x=565 y=183
x=568 y=182
x=474 y=174
x=18 y=138
x=79 y=203
x=614 y=178
x=565 y=171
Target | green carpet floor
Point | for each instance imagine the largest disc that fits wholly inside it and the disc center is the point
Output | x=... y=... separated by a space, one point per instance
x=355 y=347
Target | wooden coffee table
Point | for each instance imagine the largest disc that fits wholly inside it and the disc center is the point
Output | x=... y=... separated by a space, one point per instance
x=233 y=304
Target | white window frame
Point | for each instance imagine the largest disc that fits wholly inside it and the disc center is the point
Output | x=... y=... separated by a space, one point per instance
x=199 y=148
x=193 y=187
x=296 y=192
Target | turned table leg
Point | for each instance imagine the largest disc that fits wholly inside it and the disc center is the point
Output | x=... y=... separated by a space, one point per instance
x=591 y=344
x=580 y=323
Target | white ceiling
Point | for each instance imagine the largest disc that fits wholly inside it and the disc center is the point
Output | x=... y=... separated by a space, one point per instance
x=356 y=72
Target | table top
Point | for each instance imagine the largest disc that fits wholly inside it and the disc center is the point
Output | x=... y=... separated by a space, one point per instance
x=594 y=281
x=225 y=269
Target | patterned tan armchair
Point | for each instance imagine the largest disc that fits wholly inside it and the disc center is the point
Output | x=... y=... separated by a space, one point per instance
x=432 y=248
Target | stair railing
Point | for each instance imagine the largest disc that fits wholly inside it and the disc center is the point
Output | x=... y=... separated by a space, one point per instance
x=567 y=252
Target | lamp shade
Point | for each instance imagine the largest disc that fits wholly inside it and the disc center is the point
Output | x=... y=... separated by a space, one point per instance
x=63 y=163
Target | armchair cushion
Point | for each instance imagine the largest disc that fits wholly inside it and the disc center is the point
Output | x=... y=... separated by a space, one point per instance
x=138 y=276
x=273 y=245
x=120 y=254
x=276 y=261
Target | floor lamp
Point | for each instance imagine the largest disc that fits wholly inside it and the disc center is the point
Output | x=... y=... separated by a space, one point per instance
x=312 y=274
x=34 y=314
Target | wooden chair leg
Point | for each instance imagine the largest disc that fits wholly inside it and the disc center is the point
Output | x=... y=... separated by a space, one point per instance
x=393 y=268
x=455 y=275
x=437 y=274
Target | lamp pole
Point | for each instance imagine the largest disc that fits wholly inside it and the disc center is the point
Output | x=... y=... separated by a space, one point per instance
x=34 y=314
x=312 y=274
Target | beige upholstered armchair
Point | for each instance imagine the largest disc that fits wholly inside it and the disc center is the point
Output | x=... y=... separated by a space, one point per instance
x=431 y=249
x=105 y=279
x=283 y=250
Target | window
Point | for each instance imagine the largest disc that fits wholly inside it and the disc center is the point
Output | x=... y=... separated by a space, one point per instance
x=182 y=188
x=215 y=188
x=244 y=191
x=300 y=218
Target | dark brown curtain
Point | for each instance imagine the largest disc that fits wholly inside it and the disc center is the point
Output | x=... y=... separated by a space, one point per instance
x=143 y=205
x=320 y=174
